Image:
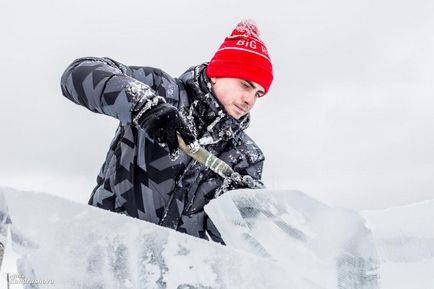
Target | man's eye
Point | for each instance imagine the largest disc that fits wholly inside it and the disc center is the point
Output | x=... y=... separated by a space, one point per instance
x=245 y=84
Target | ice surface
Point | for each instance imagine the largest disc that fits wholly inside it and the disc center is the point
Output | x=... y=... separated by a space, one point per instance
x=328 y=246
x=276 y=239
x=387 y=249
x=79 y=246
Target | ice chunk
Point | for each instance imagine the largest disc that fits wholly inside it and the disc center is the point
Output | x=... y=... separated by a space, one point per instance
x=79 y=246
x=323 y=245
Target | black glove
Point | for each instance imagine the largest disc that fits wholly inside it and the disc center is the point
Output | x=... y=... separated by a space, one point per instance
x=237 y=181
x=162 y=122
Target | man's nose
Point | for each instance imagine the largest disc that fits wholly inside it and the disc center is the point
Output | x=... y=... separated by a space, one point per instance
x=248 y=99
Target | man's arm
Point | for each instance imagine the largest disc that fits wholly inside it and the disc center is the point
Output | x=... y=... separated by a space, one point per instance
x=106 y=86
x=129 y=94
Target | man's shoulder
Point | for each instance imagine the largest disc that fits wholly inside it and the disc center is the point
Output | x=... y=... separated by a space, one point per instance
x=246 y=145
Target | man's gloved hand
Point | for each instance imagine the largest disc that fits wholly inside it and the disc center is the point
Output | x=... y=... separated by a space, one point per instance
x=162 y=121
x=237 y=181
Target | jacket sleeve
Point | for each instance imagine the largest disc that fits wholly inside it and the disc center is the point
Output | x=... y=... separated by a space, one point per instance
x=105 y=86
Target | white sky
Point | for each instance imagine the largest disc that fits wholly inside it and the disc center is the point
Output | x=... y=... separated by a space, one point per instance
x=349 y=119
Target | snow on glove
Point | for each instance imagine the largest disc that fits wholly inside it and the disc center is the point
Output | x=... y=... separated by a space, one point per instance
x=162 y=122
x=237 y=181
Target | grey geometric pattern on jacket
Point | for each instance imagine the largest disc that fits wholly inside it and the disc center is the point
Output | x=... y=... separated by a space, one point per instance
x=138 y=178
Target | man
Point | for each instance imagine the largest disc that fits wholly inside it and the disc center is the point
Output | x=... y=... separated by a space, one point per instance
x=144 y=175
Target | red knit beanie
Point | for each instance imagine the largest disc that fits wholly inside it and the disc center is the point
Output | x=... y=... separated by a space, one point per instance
x=243 y=55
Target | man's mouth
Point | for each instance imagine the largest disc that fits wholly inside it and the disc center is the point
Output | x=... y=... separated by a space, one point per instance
x=240 y=109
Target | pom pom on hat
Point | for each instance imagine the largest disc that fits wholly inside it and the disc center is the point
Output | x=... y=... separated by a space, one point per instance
x=247 y=27
x=243 y=55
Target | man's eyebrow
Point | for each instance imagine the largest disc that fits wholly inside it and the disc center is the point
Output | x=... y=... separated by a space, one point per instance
x=252 y=85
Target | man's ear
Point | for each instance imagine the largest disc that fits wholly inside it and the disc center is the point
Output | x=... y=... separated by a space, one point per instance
x=213 y=80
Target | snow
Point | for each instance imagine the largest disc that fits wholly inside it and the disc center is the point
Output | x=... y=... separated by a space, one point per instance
x=275 y=239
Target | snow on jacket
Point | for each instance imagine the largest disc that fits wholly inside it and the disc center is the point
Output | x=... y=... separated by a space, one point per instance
x=138 y=178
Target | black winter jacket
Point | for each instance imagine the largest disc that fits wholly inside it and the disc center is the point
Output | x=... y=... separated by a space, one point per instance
x=138 y=178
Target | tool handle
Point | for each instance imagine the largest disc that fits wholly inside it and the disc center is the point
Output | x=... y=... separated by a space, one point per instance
x=208 y=159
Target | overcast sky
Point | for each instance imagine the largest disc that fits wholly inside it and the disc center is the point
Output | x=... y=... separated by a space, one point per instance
x=348 y=120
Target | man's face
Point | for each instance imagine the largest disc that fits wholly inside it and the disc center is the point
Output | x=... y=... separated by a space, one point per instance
x=238 y=96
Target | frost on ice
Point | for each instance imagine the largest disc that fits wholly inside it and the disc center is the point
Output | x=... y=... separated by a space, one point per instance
x=276 y=239
x=79 y=246
x=329 y=247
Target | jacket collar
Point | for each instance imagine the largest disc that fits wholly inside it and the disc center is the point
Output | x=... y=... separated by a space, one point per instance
x=209 y=115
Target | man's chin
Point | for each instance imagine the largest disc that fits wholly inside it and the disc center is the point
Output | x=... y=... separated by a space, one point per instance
x=236 y=115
